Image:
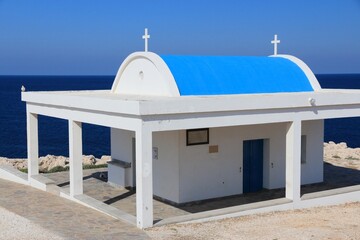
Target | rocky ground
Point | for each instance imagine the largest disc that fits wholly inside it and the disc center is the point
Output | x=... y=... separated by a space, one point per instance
x=341 y=155
x=50 y=161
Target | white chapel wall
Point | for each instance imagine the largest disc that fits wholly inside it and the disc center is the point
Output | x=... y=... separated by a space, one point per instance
x=313 y=170
x=145 y=74
x=189 y=173
x=166 y=167
x=122 y=149
x=204 y=175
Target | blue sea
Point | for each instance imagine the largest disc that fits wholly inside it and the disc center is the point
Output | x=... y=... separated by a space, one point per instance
x=53 y=133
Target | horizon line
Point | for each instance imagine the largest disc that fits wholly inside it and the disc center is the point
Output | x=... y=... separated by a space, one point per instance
x=113 y=75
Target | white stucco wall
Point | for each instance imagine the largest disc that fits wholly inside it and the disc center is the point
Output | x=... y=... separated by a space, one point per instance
x=190 y=173
x=144 y=74
x=122 y=149
x=166 y=167
x=204 y=175
x=313 y=170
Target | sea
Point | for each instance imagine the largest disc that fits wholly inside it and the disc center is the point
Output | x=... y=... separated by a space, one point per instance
x=53 y=133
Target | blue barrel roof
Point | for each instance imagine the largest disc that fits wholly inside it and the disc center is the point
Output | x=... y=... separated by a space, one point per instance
x=217 y=75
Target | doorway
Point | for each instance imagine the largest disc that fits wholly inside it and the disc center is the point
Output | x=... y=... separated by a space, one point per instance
x=253 y=158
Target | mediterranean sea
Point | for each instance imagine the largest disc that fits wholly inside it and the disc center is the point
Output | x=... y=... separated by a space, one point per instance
x=53 y=133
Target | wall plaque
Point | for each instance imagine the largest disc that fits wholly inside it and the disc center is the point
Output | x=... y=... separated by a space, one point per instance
x=197 y=136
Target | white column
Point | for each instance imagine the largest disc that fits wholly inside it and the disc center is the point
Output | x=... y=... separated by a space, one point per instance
x=75 y=155
x=32 y=144
x=293 y=160
x=144 y=179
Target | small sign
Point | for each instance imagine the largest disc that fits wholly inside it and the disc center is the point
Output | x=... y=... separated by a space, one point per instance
x=155 y=153
x=214 y=149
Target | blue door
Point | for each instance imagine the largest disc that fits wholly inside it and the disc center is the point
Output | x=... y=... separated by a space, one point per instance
x=253 y=155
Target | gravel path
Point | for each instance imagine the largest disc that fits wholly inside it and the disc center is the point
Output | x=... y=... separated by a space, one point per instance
x=15 y=227
x=335 y=222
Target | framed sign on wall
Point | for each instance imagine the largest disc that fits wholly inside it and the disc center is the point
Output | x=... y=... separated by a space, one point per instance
x=197 y=136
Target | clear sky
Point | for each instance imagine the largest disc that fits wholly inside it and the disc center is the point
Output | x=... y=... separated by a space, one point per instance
x=92 y=37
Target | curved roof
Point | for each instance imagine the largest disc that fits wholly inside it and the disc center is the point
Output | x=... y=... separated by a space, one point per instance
x=148 y=74
x=216 y=75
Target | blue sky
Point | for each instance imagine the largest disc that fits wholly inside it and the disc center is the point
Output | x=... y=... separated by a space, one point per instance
x=92 y=37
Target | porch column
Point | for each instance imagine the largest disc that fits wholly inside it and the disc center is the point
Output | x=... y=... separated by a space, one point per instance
x=144 y=179
x=293 y=160
x=32 y=144
x=75 y=155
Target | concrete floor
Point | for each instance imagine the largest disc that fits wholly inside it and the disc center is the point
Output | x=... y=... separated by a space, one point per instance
x=123 y=199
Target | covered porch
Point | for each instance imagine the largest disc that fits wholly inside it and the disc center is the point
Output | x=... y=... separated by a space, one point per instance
x=146 y=116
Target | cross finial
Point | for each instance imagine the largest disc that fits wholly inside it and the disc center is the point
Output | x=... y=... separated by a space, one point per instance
x=146 y=37
x=275 y=42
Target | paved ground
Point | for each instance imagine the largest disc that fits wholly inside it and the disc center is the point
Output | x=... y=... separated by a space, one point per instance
x=123 y=199
x=63 y=217
x=341 y=222
x=73 y=221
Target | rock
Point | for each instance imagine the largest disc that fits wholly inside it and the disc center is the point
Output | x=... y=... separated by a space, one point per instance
x=103 y=160
x=50 y=161
x=342 y=145
x=20 y=164
x=15 y=162
x=89 y=160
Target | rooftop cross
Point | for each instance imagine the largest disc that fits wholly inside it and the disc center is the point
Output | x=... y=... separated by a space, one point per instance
x=146 y=37
x=275 y=42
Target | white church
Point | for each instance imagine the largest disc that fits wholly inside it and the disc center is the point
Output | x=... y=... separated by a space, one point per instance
x=189 y=128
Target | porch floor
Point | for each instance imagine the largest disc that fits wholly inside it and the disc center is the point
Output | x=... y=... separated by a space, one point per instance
x=125 y=200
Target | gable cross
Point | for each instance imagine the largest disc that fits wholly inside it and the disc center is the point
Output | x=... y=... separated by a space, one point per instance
x=146 y=37
x=275 y=42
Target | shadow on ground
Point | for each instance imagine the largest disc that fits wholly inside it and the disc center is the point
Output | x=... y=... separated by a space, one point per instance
x=95 y=186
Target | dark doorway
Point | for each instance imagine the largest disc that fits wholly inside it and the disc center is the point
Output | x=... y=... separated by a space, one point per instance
x=253 y=155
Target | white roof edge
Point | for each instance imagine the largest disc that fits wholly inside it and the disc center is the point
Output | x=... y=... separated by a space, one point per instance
x=307 y=71
x=82 y=100
x=251 y=102
x=116 y=103
x=157 y=61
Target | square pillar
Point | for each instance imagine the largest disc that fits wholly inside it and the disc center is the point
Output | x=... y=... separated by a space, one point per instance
x=75 y=155
x=144 y=178
x=32 y=144
x=293 y=160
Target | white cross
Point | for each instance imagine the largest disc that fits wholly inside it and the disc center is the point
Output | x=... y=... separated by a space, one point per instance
x=275 y=42
x=146 y=37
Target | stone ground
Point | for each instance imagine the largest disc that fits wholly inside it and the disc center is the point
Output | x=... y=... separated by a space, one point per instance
x=64 y=218
x=335 y=222
x=9 y=228
x=68 y=220
x=123 y=199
